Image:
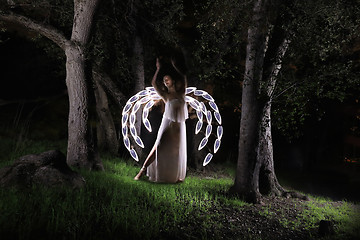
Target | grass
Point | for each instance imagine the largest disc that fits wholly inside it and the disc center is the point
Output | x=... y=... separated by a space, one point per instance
x=11 y=149
x=344 y=215
x=114 y=206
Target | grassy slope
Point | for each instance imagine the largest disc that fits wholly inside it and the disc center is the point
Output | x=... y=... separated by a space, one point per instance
x=113 y=206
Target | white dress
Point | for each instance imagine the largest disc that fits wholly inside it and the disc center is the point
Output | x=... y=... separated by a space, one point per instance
x=169 y=165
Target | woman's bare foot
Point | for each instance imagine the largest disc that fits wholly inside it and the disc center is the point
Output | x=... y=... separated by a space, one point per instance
x=141 y=172
x=180 y=181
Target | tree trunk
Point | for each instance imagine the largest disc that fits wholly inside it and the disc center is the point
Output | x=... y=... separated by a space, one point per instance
x=109 y=86
x=79 y=135
x=106 y=131
x=270 y=184
x=138 y=64
x=138 y=72
x=248 y=167
x=80 y=151
x=104 y=82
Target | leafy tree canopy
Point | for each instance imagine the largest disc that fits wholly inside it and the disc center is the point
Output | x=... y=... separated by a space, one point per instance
x=321 y=65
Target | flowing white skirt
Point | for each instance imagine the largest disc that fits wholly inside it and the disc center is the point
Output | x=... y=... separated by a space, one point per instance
x=170 y=161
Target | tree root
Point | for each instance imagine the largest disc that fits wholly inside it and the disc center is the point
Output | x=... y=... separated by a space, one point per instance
x=278 y=190
x=293 y=194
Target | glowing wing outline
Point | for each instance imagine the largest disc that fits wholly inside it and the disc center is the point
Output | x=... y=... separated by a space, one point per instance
x=146 y=99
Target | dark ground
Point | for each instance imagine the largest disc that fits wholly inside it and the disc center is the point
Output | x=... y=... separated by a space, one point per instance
x=266 y=221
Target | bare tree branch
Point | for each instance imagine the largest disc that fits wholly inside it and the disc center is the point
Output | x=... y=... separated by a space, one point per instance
x=276 y=67
x=110 y=87
x=47 y=31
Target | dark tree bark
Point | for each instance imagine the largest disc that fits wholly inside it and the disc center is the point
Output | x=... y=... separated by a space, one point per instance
x=270 y=183
x=267 y=45
x=106 y=86
x=248 y=167
x=139 y=77
x=265 y=146
x=106 y=131
x=138 y=64
x=80 y=152
x=109 y=86
x=136 y=32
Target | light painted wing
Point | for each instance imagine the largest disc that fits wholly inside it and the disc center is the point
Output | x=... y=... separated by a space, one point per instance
x=144 y=99
x=208 y=114
x=207 y=159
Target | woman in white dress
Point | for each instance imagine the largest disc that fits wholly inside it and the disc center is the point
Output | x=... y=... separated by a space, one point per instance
x=167 y=159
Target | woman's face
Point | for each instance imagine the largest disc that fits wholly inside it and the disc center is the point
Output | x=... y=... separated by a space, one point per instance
x=168 y=82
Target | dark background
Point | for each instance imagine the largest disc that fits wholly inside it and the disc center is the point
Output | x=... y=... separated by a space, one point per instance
x=324 y=159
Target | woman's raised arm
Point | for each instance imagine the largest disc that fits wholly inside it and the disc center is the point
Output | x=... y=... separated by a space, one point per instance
x=154 y=83
x=182 y=84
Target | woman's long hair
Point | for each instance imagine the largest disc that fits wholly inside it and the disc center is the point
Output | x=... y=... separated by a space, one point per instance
x=168 y=69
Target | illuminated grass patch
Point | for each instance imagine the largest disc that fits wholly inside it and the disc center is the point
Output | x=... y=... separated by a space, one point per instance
x=114 y=206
